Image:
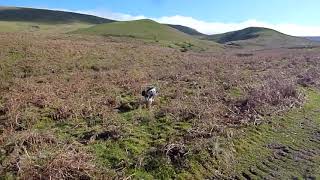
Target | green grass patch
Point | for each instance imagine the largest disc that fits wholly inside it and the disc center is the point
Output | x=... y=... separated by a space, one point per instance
x=20 y=26
x=137 y=150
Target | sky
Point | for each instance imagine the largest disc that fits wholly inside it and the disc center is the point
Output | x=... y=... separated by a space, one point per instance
x=293 y=17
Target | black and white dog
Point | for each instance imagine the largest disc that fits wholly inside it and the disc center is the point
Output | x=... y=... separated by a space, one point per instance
x=149 y=95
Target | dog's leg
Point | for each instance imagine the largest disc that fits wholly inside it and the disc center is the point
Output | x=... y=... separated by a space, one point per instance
x=149 y=102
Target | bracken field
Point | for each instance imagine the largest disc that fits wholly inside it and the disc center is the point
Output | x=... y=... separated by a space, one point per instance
x=71 y=108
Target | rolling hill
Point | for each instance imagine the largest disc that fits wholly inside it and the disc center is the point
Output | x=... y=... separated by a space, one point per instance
x=148 y=30
x=259 y=37
x=16 y=19
x=313 y=38
x=141 y=29
x=187 y=30
x=47 y=16
x=31 y=19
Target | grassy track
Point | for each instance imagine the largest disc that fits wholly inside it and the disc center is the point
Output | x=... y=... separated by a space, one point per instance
x=288 y=147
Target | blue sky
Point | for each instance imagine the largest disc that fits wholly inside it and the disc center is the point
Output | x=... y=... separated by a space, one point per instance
x=295 y=17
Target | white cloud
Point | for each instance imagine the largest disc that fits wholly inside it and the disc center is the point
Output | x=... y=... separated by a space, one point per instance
x=221 y=27
x=212 y=27
x=113 y=15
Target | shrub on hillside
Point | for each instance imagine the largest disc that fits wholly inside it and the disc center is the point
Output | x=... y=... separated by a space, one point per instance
x=269 y=98
x=309 y=78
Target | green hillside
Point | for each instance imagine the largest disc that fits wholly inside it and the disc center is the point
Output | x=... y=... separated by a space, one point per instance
x=15 y=19
x=259 y=37
x=142 y=29
x=148 y=30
